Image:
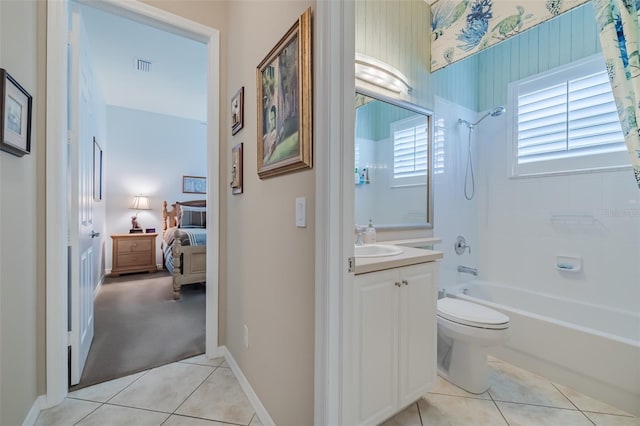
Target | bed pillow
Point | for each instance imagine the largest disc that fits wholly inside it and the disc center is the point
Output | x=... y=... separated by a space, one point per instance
x=192 y=217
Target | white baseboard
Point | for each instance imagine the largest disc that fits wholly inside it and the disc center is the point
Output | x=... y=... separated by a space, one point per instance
x=34 y=412
x=261 y=412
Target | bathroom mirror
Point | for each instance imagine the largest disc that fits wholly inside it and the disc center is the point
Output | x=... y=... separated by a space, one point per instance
x=392 y=171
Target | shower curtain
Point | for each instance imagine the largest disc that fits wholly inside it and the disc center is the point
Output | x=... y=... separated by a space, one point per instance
x=619 y=36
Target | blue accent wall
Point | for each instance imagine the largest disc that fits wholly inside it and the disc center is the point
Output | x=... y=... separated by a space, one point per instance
x=560 y=41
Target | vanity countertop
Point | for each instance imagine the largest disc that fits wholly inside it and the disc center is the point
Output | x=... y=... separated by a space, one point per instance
x=409 y=256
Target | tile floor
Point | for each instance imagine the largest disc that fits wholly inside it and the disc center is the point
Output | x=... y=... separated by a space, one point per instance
x=193 y=392
x=202 y=392
x=516 y=397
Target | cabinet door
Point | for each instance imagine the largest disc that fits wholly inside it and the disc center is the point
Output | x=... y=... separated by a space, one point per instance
x=418 y=328
x=375 y=347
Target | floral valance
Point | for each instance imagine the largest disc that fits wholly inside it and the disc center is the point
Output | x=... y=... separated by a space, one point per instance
x=460 y=28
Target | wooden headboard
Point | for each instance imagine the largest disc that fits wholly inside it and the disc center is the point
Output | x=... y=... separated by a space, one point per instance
x=169 y=217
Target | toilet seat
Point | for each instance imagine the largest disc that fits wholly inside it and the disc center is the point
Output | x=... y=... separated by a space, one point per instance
x=471 y=314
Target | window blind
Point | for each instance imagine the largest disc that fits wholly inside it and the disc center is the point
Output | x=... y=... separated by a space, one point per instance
x=571 y=118
x=410 y=151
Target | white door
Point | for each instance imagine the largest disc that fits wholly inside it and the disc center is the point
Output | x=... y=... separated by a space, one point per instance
x=418 y=331
x=375 y=340
x=81 y=198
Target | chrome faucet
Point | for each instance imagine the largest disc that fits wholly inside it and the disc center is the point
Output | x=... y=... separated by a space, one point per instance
x=467 y=270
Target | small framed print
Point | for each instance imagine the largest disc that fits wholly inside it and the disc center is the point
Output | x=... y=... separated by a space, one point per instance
x=236 y=169
x=194 y=185
x=15 y=119
x=237 y=111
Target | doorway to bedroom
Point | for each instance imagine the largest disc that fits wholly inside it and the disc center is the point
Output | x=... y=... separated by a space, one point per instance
x=143 y=103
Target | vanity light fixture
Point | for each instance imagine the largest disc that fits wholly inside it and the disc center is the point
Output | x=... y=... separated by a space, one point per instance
x=381 y=74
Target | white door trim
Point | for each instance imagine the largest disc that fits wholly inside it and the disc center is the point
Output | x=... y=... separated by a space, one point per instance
x=335 y=52
x=56 y=163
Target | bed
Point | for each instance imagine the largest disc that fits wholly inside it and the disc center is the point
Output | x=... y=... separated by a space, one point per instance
x=184 y=249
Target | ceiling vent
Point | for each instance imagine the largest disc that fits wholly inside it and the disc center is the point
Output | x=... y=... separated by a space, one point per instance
x=142 y=65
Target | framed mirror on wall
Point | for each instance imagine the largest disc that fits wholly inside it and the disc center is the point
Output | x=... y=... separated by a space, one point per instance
x=393 y=163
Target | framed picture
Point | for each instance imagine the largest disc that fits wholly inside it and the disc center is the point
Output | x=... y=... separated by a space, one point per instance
x=236 y=169
x=284 y=97
x=194 y=185
x=97 y=171
x=237 y=111
x=15 y=118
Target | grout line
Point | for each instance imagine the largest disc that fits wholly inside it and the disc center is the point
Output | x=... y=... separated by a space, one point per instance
x=462 y=396
x=197 y=387
x=88 y=414
x=536 y=405
x=588 y=418
x=419 y=413
x=562 y=393
x=209 y=420
x=496 y=405
x=144 y=373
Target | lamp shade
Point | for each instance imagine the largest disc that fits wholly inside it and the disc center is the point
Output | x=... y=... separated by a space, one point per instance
x=140 y=202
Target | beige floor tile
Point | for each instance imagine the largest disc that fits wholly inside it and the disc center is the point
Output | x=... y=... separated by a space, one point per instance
x=493 y=359
x=409 y=417
x=586 y=403
x=219 y=398
x=67 y=412
x=176 y=420
x=203 y=360
x=533 y=415
x=114 y=415
x=612 y=420
x=255 y=421
x=225 y=365
x=512 y=384
x=447 y=410
x=105 y=391
x=164 y=388
x=445 y=387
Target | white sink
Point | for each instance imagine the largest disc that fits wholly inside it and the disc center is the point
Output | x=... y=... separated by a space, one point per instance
x=377 y=250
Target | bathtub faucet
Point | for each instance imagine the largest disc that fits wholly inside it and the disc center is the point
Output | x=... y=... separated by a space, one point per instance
x=467 y=270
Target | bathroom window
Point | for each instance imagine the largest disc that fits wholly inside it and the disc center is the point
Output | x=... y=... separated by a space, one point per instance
x=565 y=120
x=410 y=150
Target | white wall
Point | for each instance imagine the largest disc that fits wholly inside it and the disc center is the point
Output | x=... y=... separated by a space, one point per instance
x=18 y=227
x=453 y=214
x=148 y=154
x=270 y=262
x=525 y=223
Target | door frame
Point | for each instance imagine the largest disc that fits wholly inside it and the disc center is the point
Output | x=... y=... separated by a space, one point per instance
x=334 y=52
x=56 y=174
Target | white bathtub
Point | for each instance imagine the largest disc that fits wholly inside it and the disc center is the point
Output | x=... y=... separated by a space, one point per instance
x=593 y=349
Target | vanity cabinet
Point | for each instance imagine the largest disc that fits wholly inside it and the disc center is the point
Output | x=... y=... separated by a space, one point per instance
x=392 y=341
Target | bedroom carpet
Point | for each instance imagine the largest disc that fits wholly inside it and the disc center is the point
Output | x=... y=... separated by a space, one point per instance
x=138 y=326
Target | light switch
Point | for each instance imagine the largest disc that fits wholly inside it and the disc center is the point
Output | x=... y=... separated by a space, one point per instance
x=301 y=212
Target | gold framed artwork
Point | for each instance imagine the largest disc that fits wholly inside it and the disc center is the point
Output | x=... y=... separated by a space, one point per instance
x=236 y=169
x=237 y=111
x=284 y=98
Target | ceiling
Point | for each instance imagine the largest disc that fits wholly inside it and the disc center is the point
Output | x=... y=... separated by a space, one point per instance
x=176 y=83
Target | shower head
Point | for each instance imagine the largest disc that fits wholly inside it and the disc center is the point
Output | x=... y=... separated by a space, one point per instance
x=497 y=111
x=493 y=113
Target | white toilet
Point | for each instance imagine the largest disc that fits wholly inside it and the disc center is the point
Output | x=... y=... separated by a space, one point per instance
x=465 y=332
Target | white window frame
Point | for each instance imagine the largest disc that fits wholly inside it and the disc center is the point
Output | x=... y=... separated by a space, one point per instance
x=408 y=123
x=568 y=165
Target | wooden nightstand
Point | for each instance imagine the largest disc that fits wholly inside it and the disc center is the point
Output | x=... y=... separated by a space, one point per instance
x=133 y=253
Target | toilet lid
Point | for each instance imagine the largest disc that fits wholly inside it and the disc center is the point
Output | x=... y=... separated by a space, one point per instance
x=471 y=314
